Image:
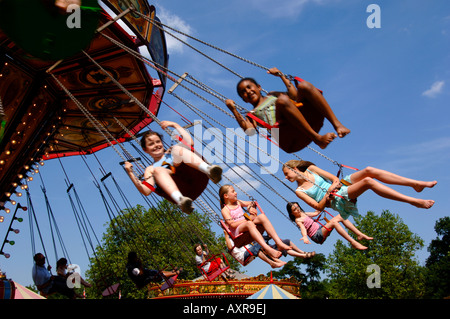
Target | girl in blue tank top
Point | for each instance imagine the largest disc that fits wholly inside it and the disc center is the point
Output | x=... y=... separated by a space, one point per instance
x=316 y=187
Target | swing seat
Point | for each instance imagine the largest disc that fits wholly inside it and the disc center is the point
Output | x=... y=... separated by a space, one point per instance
x=289 y=139
x=189 y=180
x=213 y=275
x=247 y=260
x=168 y=283
x=110 y=290
x=324 y=218
x=344 y=182
x=243 y=238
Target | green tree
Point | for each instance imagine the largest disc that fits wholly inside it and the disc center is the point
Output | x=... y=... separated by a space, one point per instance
x=162 y=237
x=438 y=263
x=392 y=250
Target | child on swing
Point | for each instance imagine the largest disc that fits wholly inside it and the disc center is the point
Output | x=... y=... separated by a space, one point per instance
x=281 y=108
x=314 y=187
x=233 y=215
x=166 y=162
x=201 y=257
x=318 y=233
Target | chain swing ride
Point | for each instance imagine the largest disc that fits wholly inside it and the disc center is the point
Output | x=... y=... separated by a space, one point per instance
x=56 y=103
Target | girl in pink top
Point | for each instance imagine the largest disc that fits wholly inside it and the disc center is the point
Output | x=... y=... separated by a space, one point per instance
x=312 y=229
x=233 y=215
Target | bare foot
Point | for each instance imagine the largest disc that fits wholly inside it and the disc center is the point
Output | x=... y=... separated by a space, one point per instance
x=424 y=203
x=273 y=252
x=323 y=140
x=277 y=264
x=309 y=255
x=358 y=246
x=363 y=236
x=282 y=246
x=421 y=185
x=341 y=130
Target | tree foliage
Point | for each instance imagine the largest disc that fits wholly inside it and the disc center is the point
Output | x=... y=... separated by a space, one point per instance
x=162 y=237
x=392 y=250
x=438 y=263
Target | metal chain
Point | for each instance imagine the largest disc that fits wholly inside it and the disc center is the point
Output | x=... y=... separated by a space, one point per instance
x=159 y=24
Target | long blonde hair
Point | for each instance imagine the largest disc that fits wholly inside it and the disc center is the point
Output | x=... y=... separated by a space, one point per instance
x=222 y=191
x=302 y=166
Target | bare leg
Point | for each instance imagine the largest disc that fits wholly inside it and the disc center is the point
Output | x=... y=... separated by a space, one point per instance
x=307 y=91
x=297 y=252
x=256 y=235
x=263 y=220
x=182 y=154
x=349 y=225
x=165 y=181
x=333 y=224
x=367 y=183
x=390 y=178
x=287 y=111
x=275 y=263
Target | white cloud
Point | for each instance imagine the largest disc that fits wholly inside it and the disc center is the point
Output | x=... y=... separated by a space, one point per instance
x=174 y=21
x=435 y=89
x=242 y=178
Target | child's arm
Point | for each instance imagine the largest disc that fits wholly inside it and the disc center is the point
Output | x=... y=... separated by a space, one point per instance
x=335 y=181
x=230 y=221
x=206 y=251
x=245 y=203
x=227 y=240
x=148 y=177
x=317 y=212
x=299 y=222
x=319 y=206
x=187 y=139
x=247 y=125
x=291 y=89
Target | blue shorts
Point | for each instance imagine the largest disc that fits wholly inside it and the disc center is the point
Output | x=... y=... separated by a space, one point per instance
x=318 y=237
x=286 y=242
x=254 y=250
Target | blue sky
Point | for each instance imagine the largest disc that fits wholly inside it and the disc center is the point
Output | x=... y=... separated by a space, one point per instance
x=389 y=85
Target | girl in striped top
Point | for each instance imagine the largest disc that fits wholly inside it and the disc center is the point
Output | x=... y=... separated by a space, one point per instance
x=281 y=110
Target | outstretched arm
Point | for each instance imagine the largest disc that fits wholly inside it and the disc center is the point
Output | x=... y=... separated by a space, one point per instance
x=291 y=89
x=317 y=212
x=148 y=177
x=299 y=222
x=183 y=133
x=245 y=123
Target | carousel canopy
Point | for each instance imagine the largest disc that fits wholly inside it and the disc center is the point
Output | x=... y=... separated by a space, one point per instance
x=43 y=122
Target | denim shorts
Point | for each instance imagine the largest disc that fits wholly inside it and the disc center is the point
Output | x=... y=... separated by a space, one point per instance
x=254 y=250
x=318 y=237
